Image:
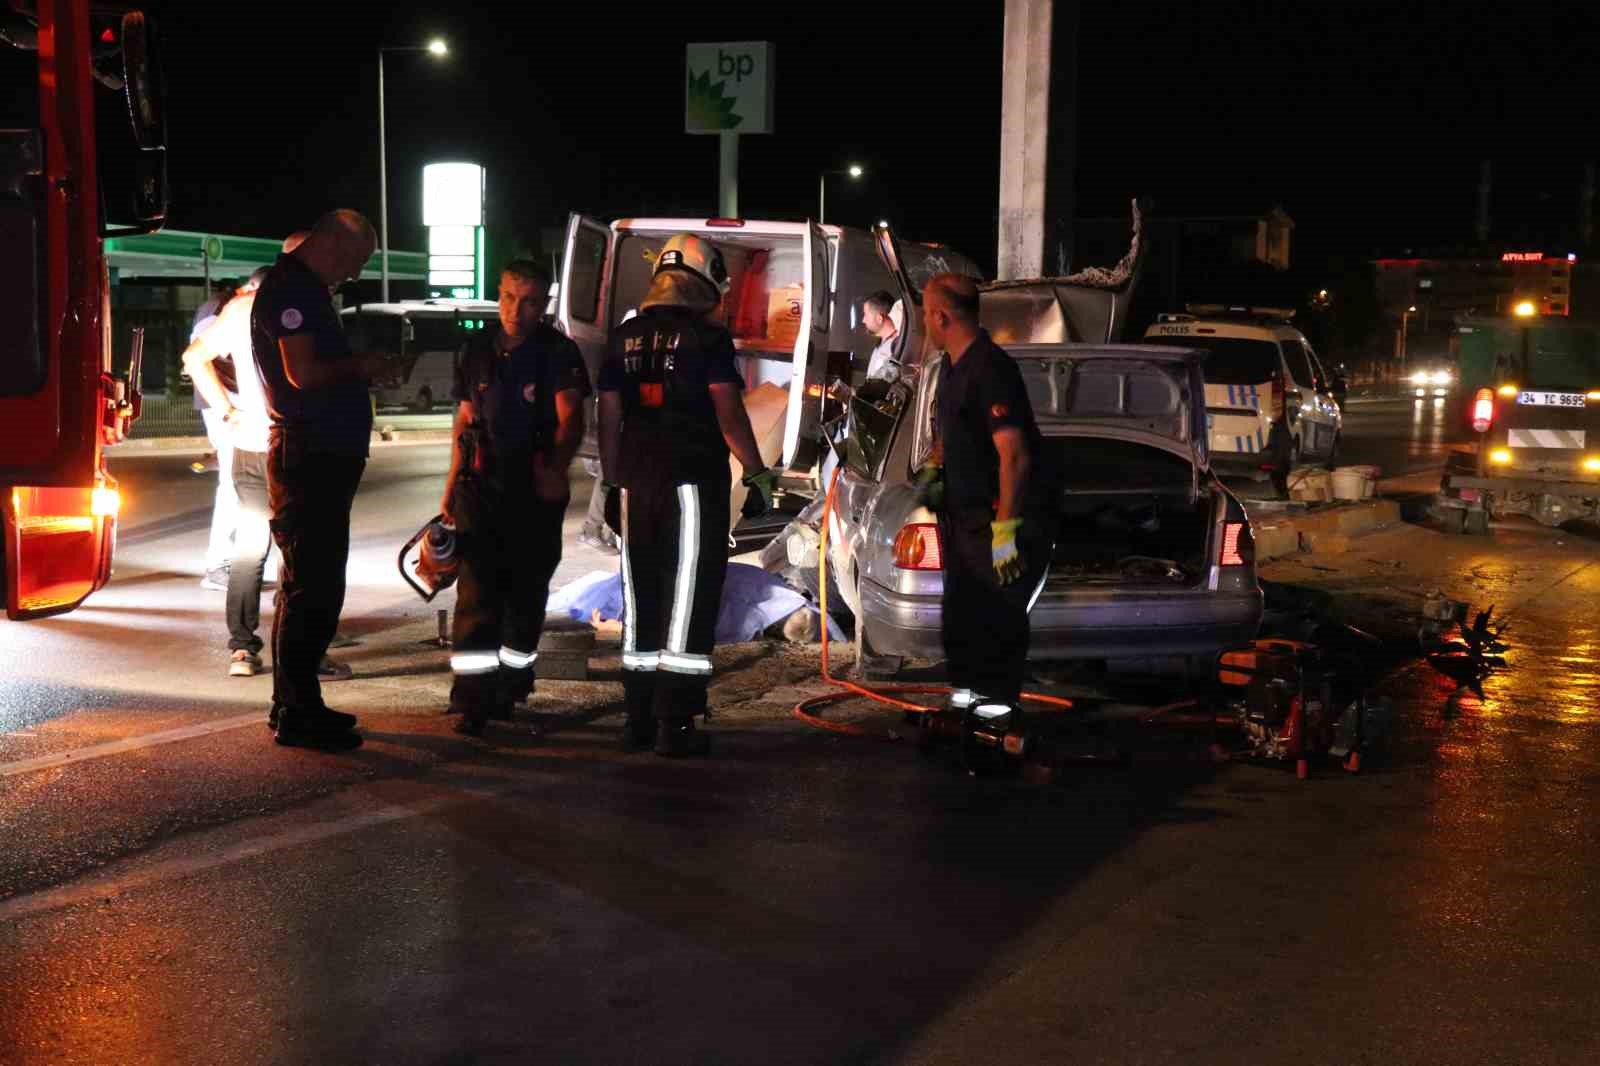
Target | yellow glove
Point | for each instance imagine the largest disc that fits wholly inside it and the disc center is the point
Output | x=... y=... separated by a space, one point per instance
x=1003 y=549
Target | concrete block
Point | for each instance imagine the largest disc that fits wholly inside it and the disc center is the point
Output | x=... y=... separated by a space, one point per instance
x=1366 y=516
x=1324 y=542
x=1276 y=541
x=564 y=649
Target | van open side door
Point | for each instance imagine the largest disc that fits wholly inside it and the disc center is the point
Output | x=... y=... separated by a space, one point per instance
x=582 y=309
x=802 y=426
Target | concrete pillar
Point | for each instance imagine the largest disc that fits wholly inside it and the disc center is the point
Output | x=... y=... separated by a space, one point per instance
x=1024 y=137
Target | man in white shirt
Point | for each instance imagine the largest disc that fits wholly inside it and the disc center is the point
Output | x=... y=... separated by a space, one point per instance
x=244 y=416
x=880 y=316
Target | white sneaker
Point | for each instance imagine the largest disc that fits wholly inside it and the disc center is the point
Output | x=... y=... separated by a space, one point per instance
x=244 y=664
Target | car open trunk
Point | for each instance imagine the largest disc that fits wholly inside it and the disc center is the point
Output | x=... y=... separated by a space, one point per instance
x=1129 y=517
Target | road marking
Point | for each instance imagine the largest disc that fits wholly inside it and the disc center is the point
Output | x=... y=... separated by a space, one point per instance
x=117 y=747
x=101 y=887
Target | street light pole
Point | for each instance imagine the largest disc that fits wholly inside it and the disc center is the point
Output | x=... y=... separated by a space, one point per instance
x=1405 y=319
x=383 y=184
x=437 y=48
x=854 y=172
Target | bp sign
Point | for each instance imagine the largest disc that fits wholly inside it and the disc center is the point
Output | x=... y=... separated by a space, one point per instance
x=211 y=247
x=729 y=87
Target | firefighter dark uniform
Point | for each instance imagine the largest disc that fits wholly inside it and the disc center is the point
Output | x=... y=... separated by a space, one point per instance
x=674 y=480
x=317 y=452
x=508 y=536
x=986 y=622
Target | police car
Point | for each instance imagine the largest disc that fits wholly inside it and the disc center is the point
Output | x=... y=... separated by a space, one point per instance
x=1270 y=406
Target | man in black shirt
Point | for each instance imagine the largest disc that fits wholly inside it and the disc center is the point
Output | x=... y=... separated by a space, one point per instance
x=519 y=419
x=670 y=412
x=988 y=466
x=317 y=396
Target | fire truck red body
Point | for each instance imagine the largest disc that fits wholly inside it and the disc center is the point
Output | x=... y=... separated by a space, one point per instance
x=60 y=404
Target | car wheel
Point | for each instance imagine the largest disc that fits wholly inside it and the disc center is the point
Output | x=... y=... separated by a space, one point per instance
x=1475 y=522
x=423 y=402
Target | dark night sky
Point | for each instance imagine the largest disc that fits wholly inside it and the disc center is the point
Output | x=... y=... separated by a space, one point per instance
x=1365 y=120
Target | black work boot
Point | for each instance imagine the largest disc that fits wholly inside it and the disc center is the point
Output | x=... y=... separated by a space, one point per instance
x=677 y=737
x=638 y=732
x=320 y=728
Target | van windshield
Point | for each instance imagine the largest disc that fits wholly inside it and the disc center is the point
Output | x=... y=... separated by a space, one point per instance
x=1233 y=360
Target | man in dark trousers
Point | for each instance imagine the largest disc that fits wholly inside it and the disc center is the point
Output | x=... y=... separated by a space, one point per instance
x=519 y=419
x=987 y=479
x=671 y=410
x=317 y=394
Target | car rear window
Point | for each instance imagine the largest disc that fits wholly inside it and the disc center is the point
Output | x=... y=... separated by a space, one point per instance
x=1233 y=360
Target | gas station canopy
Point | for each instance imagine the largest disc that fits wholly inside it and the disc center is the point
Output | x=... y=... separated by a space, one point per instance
x=177 y=253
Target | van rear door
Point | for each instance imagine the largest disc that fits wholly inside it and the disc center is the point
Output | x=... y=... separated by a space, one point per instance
x=801 y=428
x=582 y=306
x=581 y=303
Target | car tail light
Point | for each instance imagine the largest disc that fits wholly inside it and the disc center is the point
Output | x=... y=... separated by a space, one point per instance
x=1238 y=545
x=917 y=547
x=1483 y=411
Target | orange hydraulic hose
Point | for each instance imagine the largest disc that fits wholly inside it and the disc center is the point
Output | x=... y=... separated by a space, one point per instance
x=849 y=689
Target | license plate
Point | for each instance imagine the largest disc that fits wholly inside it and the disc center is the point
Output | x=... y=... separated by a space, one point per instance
x=1550 y=399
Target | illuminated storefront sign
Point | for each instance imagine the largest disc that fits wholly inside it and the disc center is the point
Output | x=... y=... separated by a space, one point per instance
x=452 y=209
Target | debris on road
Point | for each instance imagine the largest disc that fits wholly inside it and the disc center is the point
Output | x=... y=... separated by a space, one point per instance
x=1472 y=658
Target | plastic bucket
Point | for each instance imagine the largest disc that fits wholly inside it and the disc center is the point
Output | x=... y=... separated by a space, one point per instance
x=1355 y=482
x=1310 y=485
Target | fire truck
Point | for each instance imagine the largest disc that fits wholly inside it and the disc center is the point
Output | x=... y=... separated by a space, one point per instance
x=60 y=174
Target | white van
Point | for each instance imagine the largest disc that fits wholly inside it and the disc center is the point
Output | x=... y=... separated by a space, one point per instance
x=424 y=336
x=1269 y=404
x=793 y=305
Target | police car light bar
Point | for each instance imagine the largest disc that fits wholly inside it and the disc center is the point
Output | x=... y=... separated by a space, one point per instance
x=1174 y=317
x=1283 y=314
x=725 y=223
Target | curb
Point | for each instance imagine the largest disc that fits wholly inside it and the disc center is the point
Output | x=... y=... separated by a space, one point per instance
x=153 y=446
x=1327 y=531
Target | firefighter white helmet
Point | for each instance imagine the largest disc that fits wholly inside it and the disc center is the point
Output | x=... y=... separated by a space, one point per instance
x=696 y=256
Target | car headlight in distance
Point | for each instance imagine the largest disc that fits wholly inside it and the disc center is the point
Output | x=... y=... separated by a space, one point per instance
x=1441 y=377
x=1421 y=377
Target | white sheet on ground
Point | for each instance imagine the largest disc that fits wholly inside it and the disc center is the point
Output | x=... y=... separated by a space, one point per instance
x=752 y=600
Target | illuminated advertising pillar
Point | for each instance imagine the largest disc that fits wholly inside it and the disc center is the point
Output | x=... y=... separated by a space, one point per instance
x=452 y=209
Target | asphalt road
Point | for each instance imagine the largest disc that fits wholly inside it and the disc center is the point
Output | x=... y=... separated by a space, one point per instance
x=174 y=888
x=1399 y=436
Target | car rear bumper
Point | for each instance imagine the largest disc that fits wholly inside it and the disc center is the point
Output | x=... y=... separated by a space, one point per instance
x=1101 y=625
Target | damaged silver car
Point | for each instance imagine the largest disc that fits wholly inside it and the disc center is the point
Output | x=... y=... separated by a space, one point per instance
x=1153 y=556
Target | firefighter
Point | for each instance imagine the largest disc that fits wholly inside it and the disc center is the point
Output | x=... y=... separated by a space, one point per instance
x=986 y=480
x=316 y=392
x=671 y=410
x=519 y=419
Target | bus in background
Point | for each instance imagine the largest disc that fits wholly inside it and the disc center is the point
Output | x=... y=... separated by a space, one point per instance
x=60 y=404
